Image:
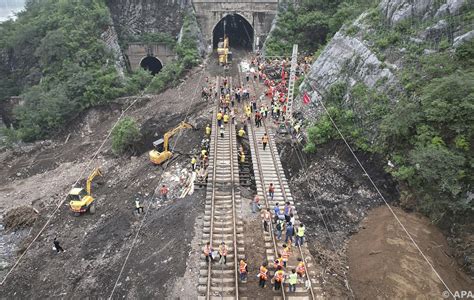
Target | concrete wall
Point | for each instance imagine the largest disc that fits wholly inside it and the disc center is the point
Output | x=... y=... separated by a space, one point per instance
x=137 y=51
x=259 y=13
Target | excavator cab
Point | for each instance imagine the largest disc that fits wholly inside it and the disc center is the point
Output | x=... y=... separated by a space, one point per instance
x=161 y=153
x=81 y=200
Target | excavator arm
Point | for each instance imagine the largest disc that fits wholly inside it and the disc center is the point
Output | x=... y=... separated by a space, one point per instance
x=96 y=172
x=169 y=134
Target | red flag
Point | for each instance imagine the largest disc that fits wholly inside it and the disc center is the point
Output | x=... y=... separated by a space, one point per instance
x=306 y=98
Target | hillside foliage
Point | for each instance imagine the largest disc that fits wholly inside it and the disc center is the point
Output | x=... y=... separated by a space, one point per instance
x=426 y=132
x=52 y=55
x=311 y=24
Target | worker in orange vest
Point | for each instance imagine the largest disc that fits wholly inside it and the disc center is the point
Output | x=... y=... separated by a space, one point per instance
x=278 y=262
x=223 y=253
x=243 y=270
x=300 y=268
x=264 y=141
x=278 y=278
x=285 y=254
x=207 y=249
x=263 y=275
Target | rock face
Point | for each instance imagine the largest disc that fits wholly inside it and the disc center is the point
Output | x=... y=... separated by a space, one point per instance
x=139 y=16
x=351 y=59
x=110 y=38
x=399 y=10
x=345 y=59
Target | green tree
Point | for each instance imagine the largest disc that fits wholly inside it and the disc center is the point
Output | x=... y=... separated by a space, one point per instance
x=124 y=136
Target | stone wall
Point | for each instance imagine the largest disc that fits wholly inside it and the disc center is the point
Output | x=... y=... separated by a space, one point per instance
x=259 y=13
x=132 y=17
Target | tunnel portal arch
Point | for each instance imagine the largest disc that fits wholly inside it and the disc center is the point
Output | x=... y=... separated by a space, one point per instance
x=152 y=64
x=240 y=32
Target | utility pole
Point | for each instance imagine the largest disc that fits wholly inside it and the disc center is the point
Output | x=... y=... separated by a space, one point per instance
x=291 y=84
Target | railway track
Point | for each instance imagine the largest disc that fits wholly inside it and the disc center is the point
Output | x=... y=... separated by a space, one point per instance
x=221 y=222
x=268 y=169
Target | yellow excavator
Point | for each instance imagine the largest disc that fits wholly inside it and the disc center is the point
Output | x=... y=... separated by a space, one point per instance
x=225 y=55
x=81 y=200
x=161 y=153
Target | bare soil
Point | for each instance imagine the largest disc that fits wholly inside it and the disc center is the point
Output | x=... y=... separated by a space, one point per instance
x=40 y=175
x=367 y=262
x=384 y=263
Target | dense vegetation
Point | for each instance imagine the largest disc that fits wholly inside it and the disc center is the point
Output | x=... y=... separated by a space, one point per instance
x=52 y=56
x=125 y=135
x=311 y=24
x=427 y=132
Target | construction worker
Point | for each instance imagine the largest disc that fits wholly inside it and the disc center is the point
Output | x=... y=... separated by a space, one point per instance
x=193 y=163
x=290 y=231
x=57 y=247
x=203 y=153
x=278 y=263
x=266 y=218
x=207 y=249
x=222 y=253
x=292 y=280
x=242 y=156
x=241 y=132
x=279 y=228
x=164 y=192
x=226 y=118
x=255 y=204
x=288 y=210
x=208 y=130
x=271 y=191
x=263 y=275
x=300 y=268
x=285 y=254
x=264 y=141
x=243 y=270
x=219 y=119
x=300 y=235
x=221 y=130
x=278 y=278
x=138 y=207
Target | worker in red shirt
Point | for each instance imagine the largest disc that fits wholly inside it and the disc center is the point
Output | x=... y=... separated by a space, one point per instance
x=164 y=192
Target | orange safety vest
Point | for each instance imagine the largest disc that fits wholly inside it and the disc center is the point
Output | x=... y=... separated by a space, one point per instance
x=285 y=254
x=222 y=250
x=265 y=139
x=263 y=273
x=300 y=268
x=279 y=275
x=242 y=268
x=278 y=262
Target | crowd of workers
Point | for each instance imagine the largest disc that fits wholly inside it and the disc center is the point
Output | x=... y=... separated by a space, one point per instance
x=239 y=107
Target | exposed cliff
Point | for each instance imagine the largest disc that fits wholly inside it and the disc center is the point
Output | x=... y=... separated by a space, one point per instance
x=399 y=82
x=135 y=17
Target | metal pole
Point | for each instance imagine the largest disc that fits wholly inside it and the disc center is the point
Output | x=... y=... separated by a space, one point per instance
x=291 y=84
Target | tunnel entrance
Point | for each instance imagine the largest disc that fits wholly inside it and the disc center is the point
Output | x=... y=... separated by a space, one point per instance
x=151 y=64
x=237 y=28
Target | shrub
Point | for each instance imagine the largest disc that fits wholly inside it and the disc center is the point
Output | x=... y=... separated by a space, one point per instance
x=124 y=135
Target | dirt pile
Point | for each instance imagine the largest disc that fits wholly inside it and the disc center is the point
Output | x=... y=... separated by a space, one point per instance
x=97 y=244
x=20 y=217
x=405 y=275
x=332 y=195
